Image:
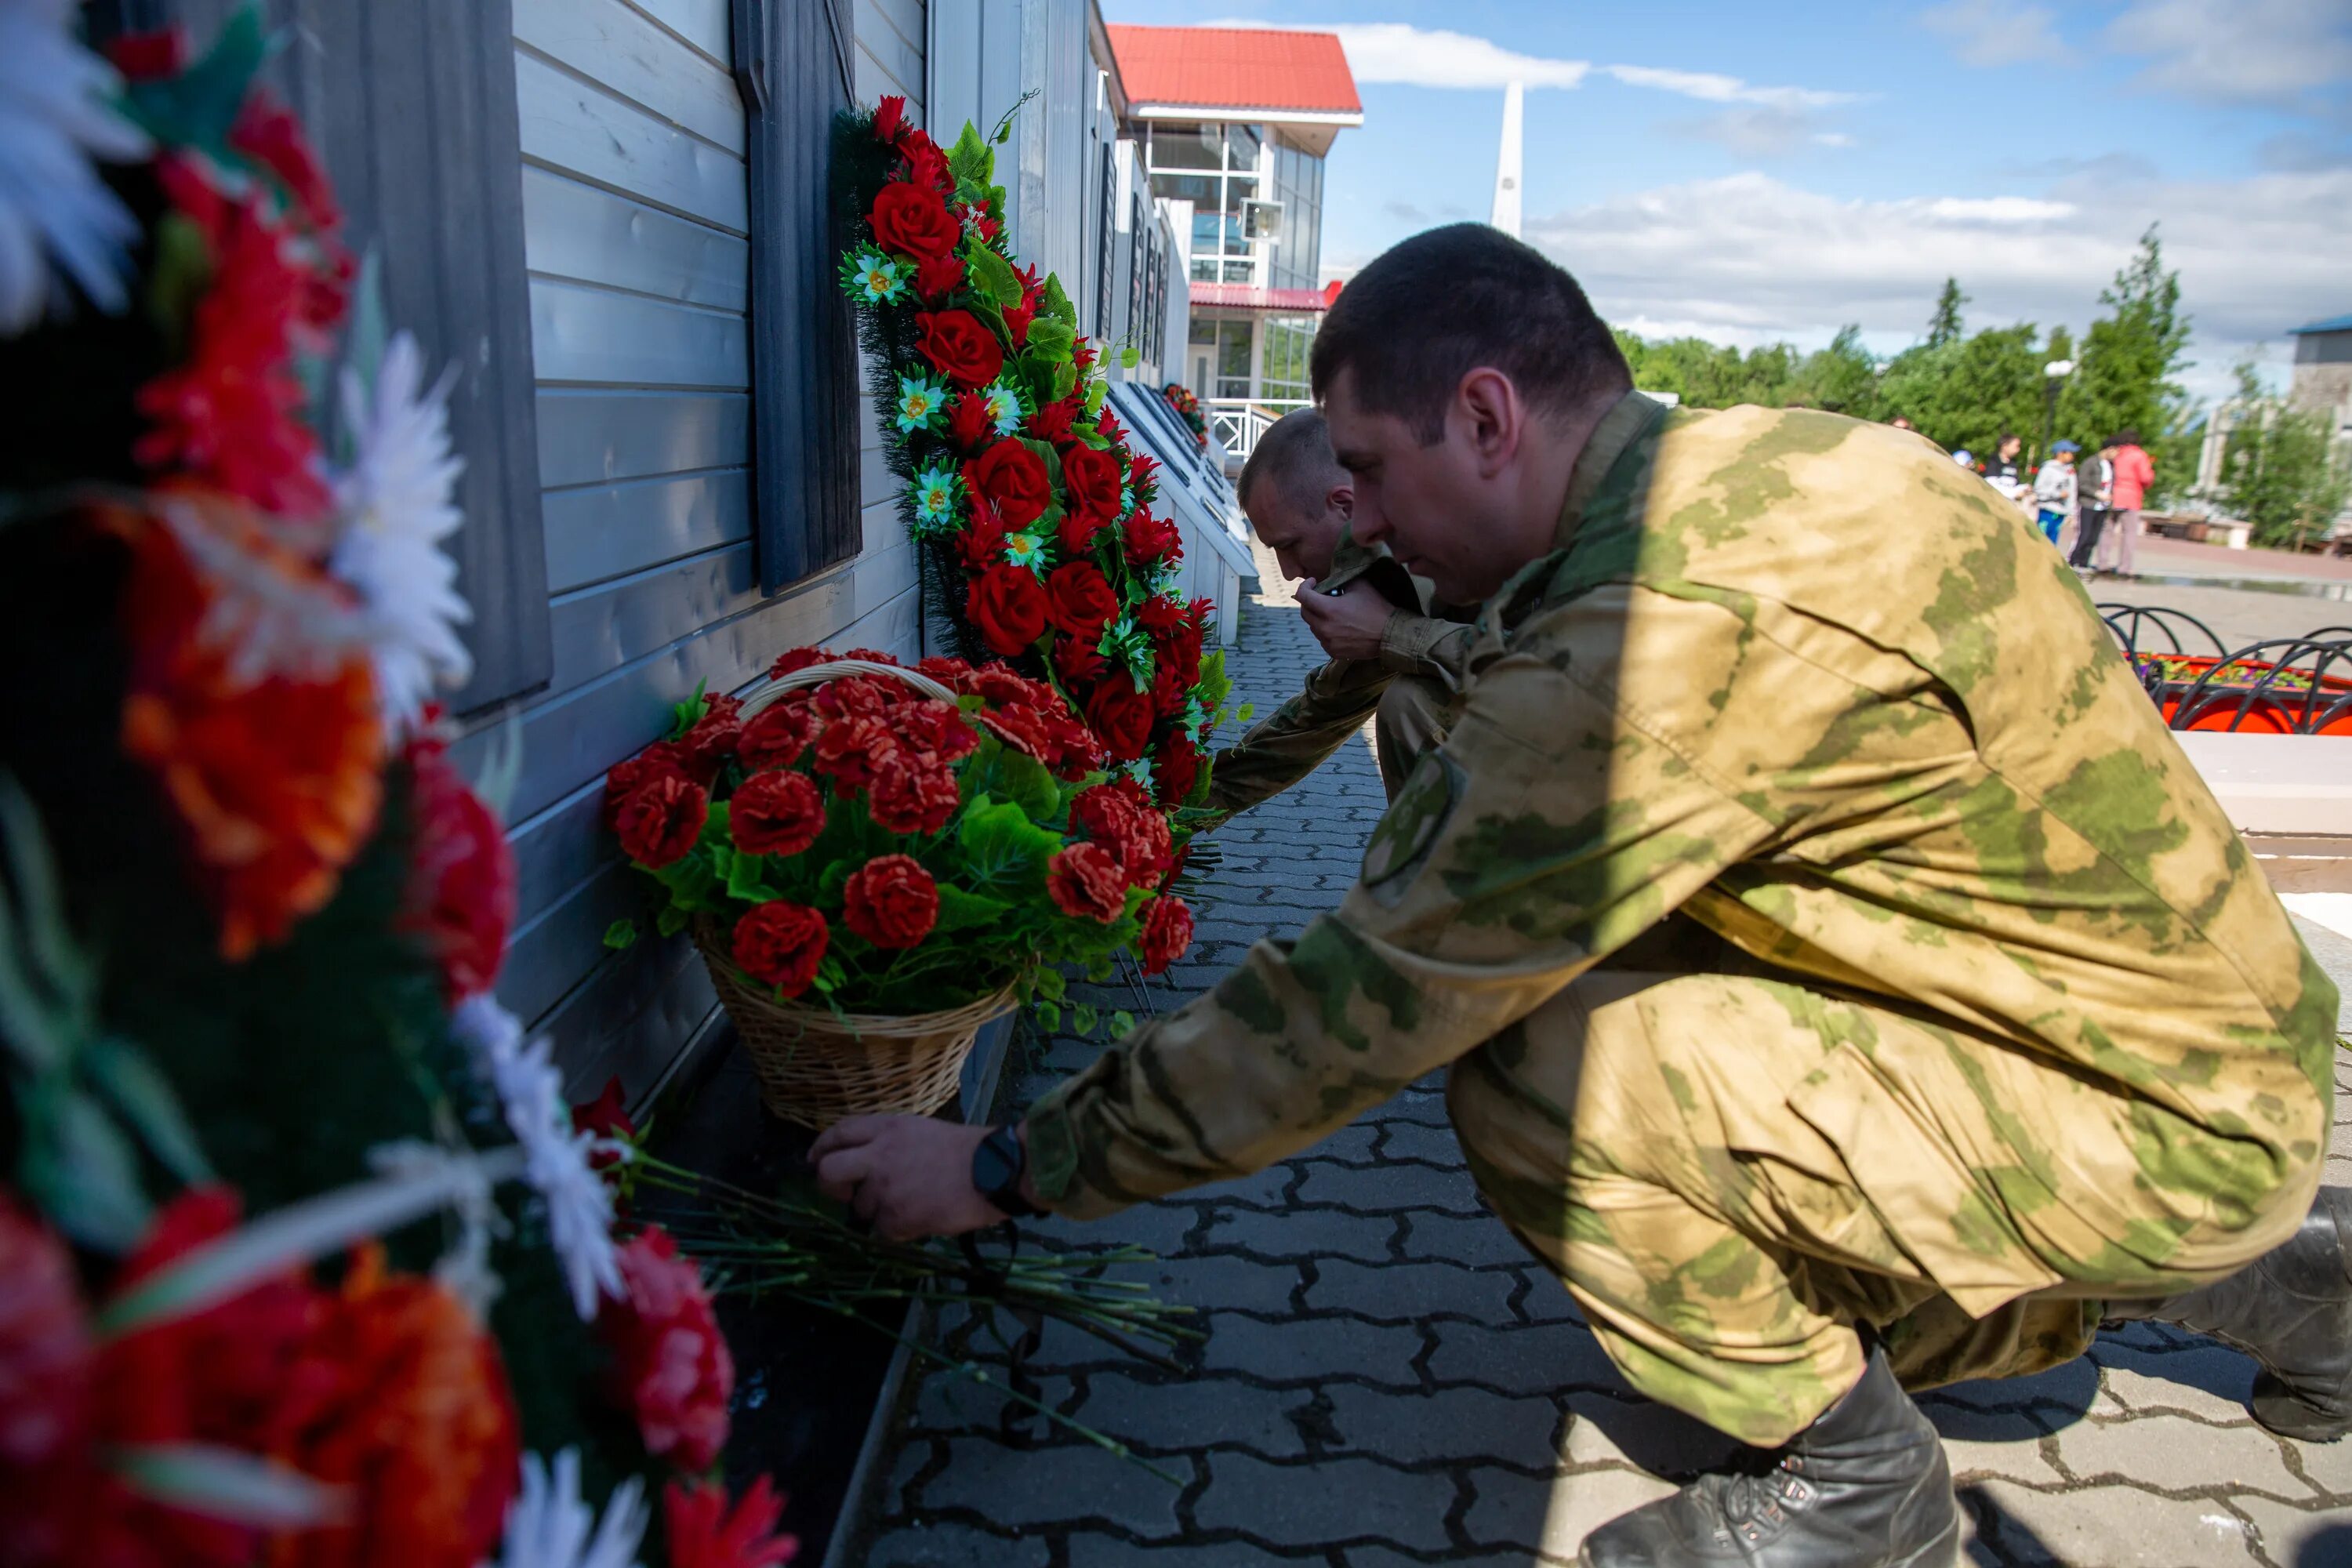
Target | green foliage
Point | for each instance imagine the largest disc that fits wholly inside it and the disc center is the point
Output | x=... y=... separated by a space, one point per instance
x=2283 y=469
x=1943 y=326
x=1968 y=393
x=2124 y=370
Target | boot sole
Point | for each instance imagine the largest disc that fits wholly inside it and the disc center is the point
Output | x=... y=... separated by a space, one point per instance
x=1943 y=1552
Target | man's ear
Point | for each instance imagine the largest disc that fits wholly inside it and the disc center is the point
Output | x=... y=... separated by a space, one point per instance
x=1342 y=499
x=1490 y=411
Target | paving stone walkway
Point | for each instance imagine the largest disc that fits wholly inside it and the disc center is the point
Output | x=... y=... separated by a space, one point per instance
x=1387 y=1379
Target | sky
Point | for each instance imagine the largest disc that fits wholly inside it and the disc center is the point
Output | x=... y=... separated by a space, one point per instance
x=1754 y=173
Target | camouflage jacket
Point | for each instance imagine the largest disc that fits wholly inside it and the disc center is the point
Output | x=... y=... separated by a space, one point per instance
x=1901 y=763
x=1423 y=638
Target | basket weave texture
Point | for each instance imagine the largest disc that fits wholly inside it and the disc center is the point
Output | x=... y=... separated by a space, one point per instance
x=815 y=1066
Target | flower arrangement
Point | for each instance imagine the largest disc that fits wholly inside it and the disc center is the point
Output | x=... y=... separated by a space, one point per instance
x=308 y=1260
x=1188 y=408
x=877 y=848
x=1035 y=516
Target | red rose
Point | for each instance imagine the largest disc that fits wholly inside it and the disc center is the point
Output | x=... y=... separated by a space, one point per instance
x=778 y=736
x=1013 y=478
x=891 y=901
x=1150 y=539
x=671 y=1368
x=1079 y=664
x=937 y=277
x=1080 y=601
x=889 y=118
x=1091 y=476
x=1007 y=604
x=926 y=164
x=777 y=813
x=959 y=346
x=968 y=422
x=851 y=751
x=660 y=821
x=912 y=794
x=1121 y=716
x=1078 y=532
x=910 y=219
x=781 y=944
x=1084 y=880
x=1167 y=933
x=700 y=1531
x=460 y=897
x=1178 y=769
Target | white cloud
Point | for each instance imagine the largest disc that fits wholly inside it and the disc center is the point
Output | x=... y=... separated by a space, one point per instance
x=1760 y=130
x=1993 y=32
x=2277 y=52
x=1711 y=88
x=1751 y=258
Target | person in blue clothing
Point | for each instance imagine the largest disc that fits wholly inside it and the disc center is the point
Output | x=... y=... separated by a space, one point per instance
x=2053 y=489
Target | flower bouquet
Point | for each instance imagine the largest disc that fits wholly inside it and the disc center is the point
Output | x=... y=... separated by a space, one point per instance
x=1033 y=516
x=878 y=860
x=1188 y=408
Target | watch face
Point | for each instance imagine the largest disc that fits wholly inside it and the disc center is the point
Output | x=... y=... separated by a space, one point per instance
x=992 y=1166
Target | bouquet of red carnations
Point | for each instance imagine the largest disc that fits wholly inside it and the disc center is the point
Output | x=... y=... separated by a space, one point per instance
x=1188 y=408
x=870 y=854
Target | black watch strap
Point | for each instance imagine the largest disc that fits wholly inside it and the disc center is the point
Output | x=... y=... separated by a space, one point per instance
x=997 y=1166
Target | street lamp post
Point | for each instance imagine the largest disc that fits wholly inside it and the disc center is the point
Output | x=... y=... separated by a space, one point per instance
x=2056 y=371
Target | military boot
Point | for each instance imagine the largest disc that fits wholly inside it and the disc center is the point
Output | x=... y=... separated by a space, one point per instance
x=2291 y=1310
x=1865 y=1486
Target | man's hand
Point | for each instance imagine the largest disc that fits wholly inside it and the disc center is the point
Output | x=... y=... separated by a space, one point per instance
x=1349 y=623
x=909 y=1176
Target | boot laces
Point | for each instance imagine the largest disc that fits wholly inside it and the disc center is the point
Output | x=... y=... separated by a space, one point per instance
x=1755 y=1499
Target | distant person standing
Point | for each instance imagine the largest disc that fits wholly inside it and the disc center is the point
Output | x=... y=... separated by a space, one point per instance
x=1902 y=424
x=2053 y=489
x=2002 y=473
x=2134 y=471
x=2095 y=479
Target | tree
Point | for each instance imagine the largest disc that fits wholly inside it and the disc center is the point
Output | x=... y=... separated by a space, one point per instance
x=2283 y=468
x=1970 y=393
x=1842 y=378
x=1943 y=326
x=2123 y=377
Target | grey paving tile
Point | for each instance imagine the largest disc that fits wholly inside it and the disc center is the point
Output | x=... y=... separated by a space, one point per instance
x=1334 y=1500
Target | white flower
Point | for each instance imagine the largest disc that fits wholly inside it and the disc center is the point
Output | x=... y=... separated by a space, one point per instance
x=54 y=119
x=270 y=621
x=548 y=1525
x=397 y=508
x=555 y=1157
x=464 y=1270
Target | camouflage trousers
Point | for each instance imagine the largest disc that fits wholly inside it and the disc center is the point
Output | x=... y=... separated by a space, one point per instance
x=1735 y=1174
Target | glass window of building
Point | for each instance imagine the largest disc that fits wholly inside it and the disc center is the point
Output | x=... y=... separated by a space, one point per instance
x=1232 y=359
x=1216 y=168
x=1283 y=378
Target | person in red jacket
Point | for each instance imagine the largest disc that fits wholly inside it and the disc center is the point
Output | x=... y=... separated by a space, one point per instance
x=2134 y=471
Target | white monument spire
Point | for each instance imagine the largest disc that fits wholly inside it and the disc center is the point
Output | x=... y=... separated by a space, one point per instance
x=1506 y=166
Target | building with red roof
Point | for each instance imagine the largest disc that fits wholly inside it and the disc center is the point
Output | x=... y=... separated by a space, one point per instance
x=1234 y=123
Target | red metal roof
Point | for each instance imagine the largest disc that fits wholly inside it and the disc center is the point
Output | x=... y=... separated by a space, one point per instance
x=1242 y=297
x=1235 y=67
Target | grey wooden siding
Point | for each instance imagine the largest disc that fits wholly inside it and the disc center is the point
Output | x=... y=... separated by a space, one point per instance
x=636 y=237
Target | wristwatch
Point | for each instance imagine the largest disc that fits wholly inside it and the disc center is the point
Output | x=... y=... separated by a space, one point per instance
x=997 y=1167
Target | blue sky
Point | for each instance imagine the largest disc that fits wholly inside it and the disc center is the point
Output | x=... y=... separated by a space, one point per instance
x=1752 y=172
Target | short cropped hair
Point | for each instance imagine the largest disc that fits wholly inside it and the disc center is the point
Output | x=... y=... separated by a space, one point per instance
x=1294 y=455
x=1438 y=305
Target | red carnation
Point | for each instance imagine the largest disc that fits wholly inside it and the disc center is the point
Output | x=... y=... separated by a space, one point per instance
x=1013 y=479
x=1170 y=690
x=269 y=134
x=777 y=813
x=936 y=727
x=778 y=736
x=1079 y=664
x=1150 y=539
x=889 y=118
x=712 y=739
x=912 y=794
x=1091 y=477
x=781 y=944
x=1121 y=716
x=951 y=673
x=606 y=1116
x=798 y=658
x=968 y=422
x=1122 y=823
x=658 y=761
x=700 y=1531
x=937 y=277
x=910 y=219
x=1007 y=604
x=1001 y=683
x=45 y=1346
x=1167 y=933
x=873 y=655
x=460 y=897
x=958 y=345
x=1080 y=601
x=891 y=901
x=860 y=696
x=671 y=1368
x=850 y=751
x=1177 y=770
x=1078 y=532
x=1085 y=882
x=660 y=821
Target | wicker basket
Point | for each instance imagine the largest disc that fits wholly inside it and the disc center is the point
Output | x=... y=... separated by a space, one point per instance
x=815 y=1066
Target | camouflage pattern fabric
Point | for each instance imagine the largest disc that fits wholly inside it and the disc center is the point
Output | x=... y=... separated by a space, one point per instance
x=1975 y=1012
x=1424 y=643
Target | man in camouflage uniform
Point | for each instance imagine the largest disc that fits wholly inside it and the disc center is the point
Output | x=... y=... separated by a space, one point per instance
x=1396 y=653
x=1846 y=982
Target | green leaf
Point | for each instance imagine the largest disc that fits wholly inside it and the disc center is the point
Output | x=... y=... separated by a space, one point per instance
x=621 y=933
x=82 y=1172
x=970 y=158
x=693 y=881
x=1245 y=712
x=1052 y=983
x=670 y=922
x=1051 y=340
x=993 y=275
x=1083 y=1019
x=1022 y=779
x=198 y=106
x=1005 y=848
x=1065 y=382
x=122 y=1072
x=685 y=715
x=960 y=910
x=1057 y=303
x=1130 y=356
x=365 y=340
x=1122 y=1022
x=1049 y=1017
x=1096 y=392
x=747 y=878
